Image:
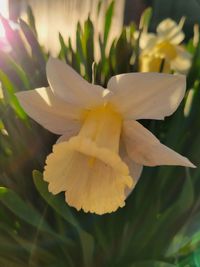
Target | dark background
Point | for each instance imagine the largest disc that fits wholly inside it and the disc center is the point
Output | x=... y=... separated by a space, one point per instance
x=162 y=9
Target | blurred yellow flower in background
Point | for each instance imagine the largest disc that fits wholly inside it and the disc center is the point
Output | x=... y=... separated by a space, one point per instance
x=163 y=51
x=99 y=157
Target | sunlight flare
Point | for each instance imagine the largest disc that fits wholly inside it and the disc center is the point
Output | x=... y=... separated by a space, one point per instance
x=4 y=12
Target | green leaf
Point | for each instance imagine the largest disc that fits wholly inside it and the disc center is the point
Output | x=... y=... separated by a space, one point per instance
x=31 y=20
x=56 y=202
x=64 y=50
x=194 y=72
x=30 y=246
x=145 y=19
x=79 y=46
x=123 y=53
x=27 y=213
x=88 y=47
x=10 y=96
x=9 y=61
x=37 y=53
x=4 y=262
x=60 y=206
x=75 y=61
x=108 y=21
x=173 y=218
x=23 y=210
x=152 y=263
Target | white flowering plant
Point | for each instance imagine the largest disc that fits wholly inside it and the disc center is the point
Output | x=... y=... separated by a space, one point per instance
x=81 y=140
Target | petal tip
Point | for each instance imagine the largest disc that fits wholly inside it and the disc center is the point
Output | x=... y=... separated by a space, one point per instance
x=187 y=163
x=191 y=165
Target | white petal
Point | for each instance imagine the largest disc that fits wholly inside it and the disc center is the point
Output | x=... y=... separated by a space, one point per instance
x=135 y=169
x=70 y=86
x=147 y=41
x=170 y=30
x=144 y=148
x=183 y=61
x=73 y=131
x=147 y=95
x=48 y=110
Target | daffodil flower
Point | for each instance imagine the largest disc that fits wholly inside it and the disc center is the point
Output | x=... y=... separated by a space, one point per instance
x=99 y=157
x=164 y=46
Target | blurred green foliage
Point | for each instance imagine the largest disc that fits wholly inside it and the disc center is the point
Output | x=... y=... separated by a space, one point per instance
x=158 y=227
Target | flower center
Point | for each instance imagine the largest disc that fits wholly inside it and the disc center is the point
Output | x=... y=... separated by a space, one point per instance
x=103 y=126
x=166 y=50
x=99 y=137
x=154 y=63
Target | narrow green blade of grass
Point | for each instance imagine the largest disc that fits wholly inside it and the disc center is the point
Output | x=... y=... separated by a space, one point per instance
x=11 y=98
x=59 y=205
x=31 y=20
x=108 y=22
